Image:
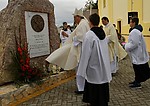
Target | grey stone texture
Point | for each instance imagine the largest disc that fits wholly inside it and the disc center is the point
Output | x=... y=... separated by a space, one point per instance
x=12 y=29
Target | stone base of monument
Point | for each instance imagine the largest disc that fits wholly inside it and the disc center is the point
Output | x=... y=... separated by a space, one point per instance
x=11 y=95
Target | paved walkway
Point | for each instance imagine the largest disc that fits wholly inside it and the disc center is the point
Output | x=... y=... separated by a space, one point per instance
x=120 y=93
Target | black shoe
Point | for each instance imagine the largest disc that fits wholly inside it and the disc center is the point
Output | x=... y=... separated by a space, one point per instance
x=136 y=85
x=131 y=83
x=78 y=92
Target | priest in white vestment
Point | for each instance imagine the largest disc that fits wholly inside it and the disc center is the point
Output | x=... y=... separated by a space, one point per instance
x=116 y=52
x=68 y=56
x=94 y=65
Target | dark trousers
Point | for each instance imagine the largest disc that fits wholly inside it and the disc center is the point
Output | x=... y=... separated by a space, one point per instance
x=96 y=94
x=142 y=72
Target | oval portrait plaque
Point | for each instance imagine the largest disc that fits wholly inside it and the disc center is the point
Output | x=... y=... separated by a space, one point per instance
x=37 y=23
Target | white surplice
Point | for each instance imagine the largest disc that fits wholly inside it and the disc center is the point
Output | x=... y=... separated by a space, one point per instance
x=136 y=48
x=94 y=63
x=64 y=38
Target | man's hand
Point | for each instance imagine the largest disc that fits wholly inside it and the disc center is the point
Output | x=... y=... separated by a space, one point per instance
x=64 y=34
x=123 y=44
x=75 y=41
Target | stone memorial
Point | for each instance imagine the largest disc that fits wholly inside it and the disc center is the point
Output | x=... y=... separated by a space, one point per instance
x=30 y=21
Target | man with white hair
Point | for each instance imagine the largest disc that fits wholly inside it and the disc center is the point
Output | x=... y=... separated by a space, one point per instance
x=68 y=56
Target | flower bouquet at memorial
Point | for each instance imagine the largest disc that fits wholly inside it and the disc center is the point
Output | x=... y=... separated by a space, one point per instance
x=23 y=71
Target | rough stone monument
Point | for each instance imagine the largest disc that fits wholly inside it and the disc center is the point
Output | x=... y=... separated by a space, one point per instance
x=30 y=21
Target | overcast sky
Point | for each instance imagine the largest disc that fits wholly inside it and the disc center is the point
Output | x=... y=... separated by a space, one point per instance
x=63 y=9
